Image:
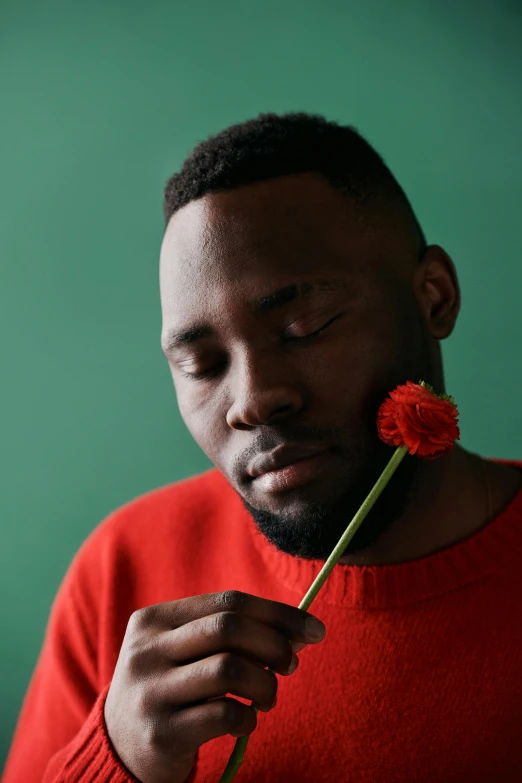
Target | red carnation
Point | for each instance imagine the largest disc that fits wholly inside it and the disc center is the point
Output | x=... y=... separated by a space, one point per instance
x=415 y=417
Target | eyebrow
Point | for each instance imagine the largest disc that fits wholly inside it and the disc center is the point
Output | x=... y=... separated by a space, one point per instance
x=259 y=306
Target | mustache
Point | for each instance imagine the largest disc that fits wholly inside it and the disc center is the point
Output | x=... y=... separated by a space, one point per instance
x=278 y=436
x=269 y=439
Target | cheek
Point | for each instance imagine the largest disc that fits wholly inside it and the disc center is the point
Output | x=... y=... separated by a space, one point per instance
x=204 y=420
x=351 y=376
x=354 y=361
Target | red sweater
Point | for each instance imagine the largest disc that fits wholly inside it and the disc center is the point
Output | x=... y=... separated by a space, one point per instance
x=419 y=677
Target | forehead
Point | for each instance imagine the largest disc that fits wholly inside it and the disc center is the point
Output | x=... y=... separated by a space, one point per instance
x=267 y=233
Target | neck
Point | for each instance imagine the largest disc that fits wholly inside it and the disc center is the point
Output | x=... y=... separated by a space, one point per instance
x=450 y=503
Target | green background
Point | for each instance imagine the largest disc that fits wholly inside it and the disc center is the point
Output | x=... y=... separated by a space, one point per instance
x=100 y=102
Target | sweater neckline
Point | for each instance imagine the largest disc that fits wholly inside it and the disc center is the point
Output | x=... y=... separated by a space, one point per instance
x=399 y=584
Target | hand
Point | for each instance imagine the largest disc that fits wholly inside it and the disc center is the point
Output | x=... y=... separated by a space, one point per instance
x=179 y=659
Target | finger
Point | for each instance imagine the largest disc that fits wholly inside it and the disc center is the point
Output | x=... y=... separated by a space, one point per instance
x=216 y=676
x=230 y=631
x=191 y=727
x=294 y=623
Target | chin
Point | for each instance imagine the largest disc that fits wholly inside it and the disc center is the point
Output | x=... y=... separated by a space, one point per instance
x=298 y=504
x=308 y=524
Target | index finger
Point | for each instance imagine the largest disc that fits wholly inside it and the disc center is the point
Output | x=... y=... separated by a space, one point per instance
x=296 y=624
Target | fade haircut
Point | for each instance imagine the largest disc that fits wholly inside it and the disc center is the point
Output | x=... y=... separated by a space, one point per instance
x=275 y=145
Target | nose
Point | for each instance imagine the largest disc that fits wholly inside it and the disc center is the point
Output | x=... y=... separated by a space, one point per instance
x=262 y=393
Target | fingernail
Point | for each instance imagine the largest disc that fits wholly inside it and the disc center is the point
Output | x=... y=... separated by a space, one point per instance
x=293 y=664
x=314 y=629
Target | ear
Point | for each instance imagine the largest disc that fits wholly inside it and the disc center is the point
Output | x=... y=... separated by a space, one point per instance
x=437 y=291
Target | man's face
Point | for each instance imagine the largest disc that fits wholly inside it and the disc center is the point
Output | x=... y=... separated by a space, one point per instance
x=286 y=321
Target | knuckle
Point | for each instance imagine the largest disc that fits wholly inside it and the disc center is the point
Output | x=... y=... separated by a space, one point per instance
x=141 y=619
x=231 y=600
x=232 y=715
x=134 y=623
x=226 y=625
x=154 y=734
x=226 y=713
x=137 y=659
x=229 y=668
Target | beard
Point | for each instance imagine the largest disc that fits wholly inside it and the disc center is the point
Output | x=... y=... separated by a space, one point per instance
x=317 y=530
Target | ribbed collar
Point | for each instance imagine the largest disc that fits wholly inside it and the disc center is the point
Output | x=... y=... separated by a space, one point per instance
x=386 y=586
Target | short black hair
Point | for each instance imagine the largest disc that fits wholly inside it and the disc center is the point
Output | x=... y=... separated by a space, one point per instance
x=273 y=145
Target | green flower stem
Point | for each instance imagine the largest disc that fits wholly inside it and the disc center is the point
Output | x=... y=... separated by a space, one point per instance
x=354 y=525
x=236 y=757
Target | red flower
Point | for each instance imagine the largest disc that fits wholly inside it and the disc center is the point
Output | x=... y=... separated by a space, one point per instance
x=416 y=417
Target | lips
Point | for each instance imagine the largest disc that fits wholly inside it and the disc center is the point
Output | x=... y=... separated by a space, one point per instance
x=282 y=457
x=291 y=468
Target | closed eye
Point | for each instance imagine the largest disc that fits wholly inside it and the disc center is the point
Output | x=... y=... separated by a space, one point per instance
x=203 y=374
x=214 y=371
x=312 y=335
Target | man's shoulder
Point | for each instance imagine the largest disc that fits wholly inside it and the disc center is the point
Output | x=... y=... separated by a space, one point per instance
x=195 y=498
x=173 y=516
x=143 y=553
x=210 y=483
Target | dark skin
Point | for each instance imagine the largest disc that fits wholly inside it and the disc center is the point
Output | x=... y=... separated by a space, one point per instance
x=266 y=387
x=360 y=309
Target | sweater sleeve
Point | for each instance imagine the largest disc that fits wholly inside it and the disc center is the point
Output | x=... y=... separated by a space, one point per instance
x=90 y=756
x=61 y=735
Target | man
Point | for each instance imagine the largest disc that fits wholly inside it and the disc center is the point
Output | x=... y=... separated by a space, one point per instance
x=297 y=290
